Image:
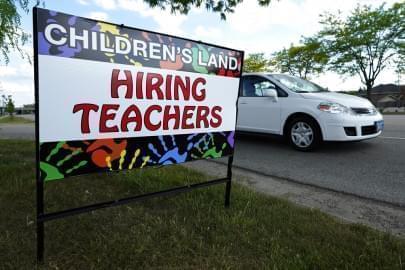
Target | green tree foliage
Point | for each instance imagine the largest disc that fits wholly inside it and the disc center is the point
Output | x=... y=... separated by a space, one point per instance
x=399 y=61
x=302 y=60
x=255 y=62
x=222 y=7
x=366 y=42
x=12 y=36
x=10 y=106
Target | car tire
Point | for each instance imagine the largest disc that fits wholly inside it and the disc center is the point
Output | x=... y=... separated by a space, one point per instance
x=304 y=134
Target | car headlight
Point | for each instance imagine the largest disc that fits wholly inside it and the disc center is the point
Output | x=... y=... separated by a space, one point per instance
x=331 y=107
x=374 y=110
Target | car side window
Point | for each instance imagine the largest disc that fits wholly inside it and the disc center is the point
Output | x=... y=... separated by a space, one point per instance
x=260 y=85
x=252 y=86
x=248 y=89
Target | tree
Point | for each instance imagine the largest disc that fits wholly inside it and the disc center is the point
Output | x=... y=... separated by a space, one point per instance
x=222 y=7
x=13 y=37
x=10 y=106
x=3 y=104
x=255 y=62
x=302 y=60
x=399 y=62
x=366 y=42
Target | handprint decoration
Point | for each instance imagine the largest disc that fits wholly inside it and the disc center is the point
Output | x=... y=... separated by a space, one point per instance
x=117 y=98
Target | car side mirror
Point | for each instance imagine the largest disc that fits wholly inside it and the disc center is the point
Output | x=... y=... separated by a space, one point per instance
x=270 y=92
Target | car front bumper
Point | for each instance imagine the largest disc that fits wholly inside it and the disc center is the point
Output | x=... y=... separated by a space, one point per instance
x=350 y=127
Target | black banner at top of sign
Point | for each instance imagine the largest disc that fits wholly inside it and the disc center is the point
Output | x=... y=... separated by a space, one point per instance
x=70 y=36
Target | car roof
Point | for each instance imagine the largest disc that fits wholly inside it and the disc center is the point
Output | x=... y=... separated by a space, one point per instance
x=261 y=73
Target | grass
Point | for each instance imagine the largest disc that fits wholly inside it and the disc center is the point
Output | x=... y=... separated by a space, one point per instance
x=14 y=120
x=189 y=231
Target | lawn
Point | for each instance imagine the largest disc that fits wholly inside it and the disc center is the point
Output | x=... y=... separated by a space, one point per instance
x=14 y=120
x=189 y=231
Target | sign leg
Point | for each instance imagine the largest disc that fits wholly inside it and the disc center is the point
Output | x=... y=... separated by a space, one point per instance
x=228 y=183
x=40 y=222
x=40 y=242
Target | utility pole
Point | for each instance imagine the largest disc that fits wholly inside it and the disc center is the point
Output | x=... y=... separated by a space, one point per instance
x=2 y=106
x=399 y=88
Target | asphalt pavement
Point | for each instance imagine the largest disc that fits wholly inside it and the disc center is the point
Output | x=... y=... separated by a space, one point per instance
x=372 y=169
x=18 y=131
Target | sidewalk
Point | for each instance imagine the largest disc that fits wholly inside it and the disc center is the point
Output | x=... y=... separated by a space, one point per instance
x=348 y=208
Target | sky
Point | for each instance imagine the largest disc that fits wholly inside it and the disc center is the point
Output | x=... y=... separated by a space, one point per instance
x=250 y=28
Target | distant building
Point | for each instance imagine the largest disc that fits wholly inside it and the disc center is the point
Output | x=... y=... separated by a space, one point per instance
x=387 y=95
x=25 y=109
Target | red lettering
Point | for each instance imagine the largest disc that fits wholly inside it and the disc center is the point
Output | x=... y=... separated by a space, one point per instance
x=139 y=93
x=167 y=116
x=169 y=87
x=148 y=124
x=116 y=83
x=196 y=96
x=126 y=118
x=105 y=116
x=158 y=87
x=202 y=115
x=86 y=108
x=153 y=83
x=187 y=114
x=215 y=114
x=185 y=87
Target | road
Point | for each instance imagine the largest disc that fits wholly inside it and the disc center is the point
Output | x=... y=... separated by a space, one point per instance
x=18 y=131
x=373 y=169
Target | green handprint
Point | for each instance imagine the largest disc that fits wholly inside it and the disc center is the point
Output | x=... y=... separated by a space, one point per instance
x=55 y=171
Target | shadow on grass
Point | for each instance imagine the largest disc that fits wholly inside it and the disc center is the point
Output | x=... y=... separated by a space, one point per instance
x=189 y=231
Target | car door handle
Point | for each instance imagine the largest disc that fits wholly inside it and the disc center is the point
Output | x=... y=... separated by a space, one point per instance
x=242 y=102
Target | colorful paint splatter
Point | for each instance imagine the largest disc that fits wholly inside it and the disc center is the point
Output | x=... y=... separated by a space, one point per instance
x=108 y=32
x=63 y=159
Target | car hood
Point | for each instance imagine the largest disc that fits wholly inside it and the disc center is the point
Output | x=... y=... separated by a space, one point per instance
x=343 y=99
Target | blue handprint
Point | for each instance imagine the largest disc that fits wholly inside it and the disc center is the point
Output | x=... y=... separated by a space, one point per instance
x=169 y=154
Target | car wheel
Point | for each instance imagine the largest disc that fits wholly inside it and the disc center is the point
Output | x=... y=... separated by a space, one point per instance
x=304 y=134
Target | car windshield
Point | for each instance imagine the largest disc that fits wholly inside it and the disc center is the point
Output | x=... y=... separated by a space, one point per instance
x=298 y=85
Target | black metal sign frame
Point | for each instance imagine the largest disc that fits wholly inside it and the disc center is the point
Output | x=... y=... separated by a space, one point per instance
x=43 y=217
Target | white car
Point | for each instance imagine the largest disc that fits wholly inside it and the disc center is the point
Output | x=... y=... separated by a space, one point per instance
x=303 y=112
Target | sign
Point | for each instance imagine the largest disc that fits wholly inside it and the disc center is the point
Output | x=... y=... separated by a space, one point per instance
x=112 y=97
